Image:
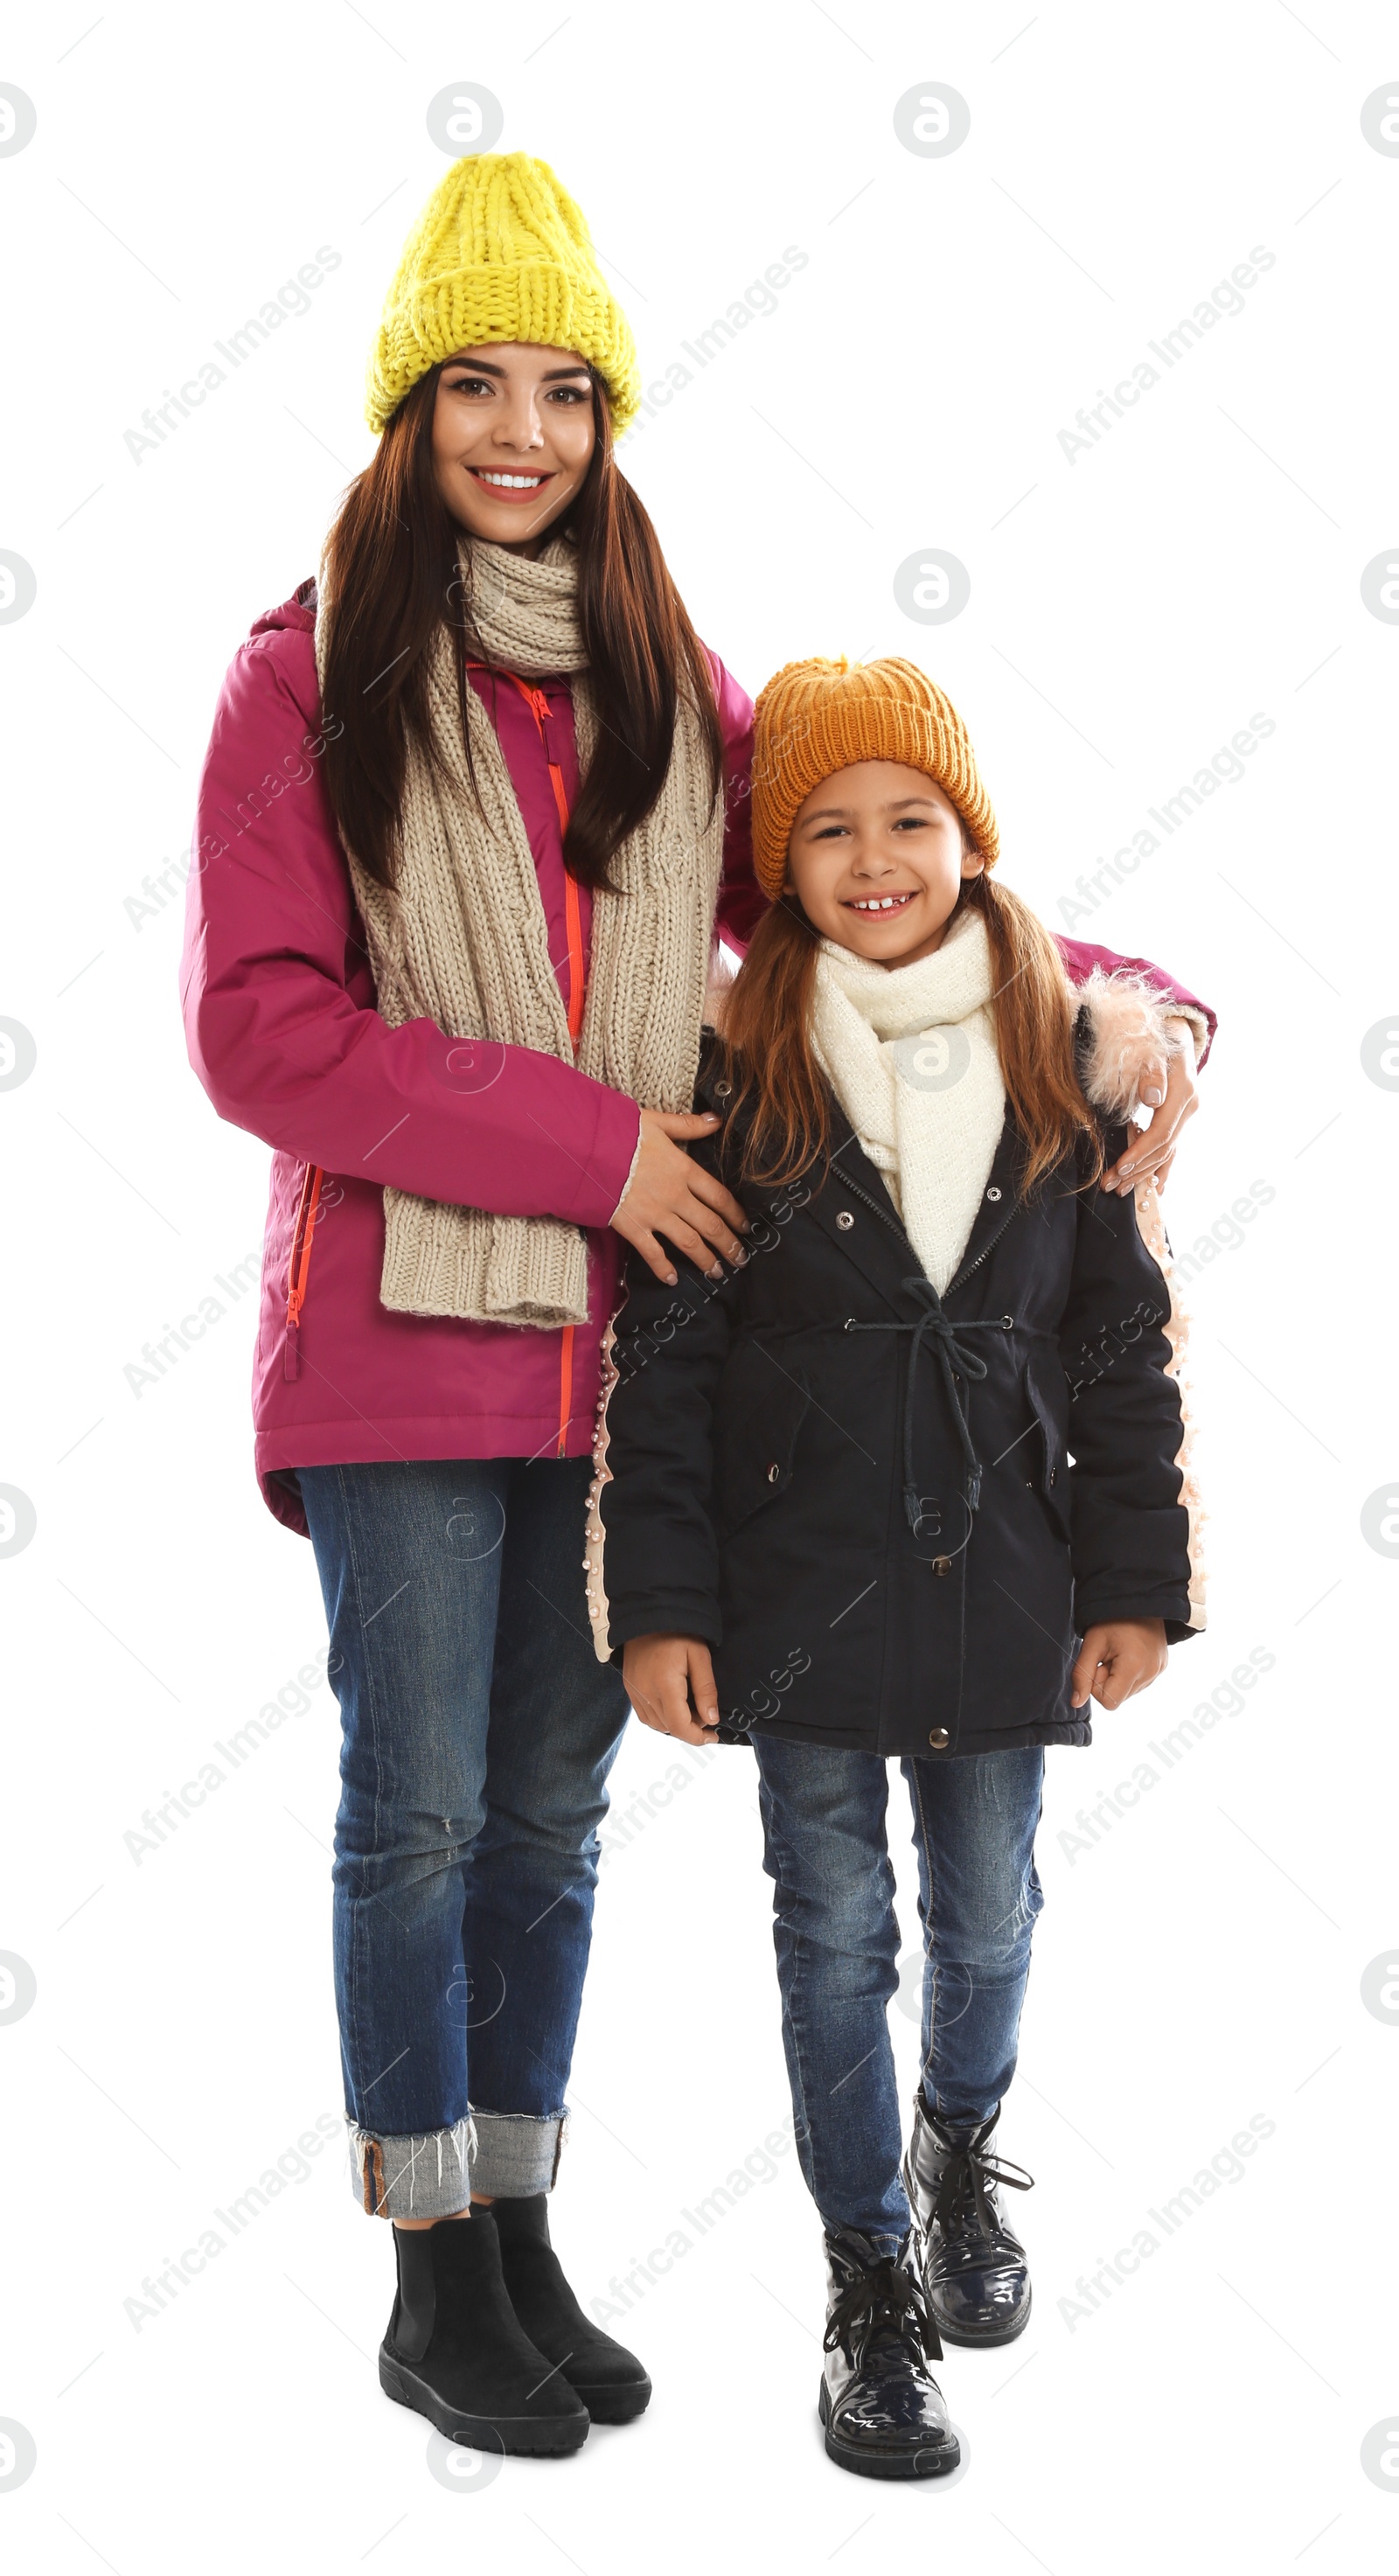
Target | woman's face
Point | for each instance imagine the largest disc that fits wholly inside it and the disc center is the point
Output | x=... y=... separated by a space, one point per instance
x=877 y=863
x=513 y=436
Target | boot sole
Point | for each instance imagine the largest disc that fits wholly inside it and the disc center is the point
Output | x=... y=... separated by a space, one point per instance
x=614 y=2405
x=982 y=2342
x=516 y=2435
x=929 y=2462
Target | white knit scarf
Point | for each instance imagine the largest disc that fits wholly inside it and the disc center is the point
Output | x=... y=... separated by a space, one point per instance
x=463 y=940
x=910 y=1052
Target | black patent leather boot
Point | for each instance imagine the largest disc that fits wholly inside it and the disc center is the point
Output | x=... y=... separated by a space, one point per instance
x=974 y=2269
x=456 y=2352
x=882 y=2409
x=609 y=2379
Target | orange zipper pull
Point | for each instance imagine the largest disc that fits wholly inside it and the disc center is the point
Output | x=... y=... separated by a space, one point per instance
x=299 y=1267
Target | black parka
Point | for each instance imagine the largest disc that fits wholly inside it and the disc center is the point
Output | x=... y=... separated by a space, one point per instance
x=892 y=1515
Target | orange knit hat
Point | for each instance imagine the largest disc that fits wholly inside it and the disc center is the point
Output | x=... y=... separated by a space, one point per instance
x=816 y=717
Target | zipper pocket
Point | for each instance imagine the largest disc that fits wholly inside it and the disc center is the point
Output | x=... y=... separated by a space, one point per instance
x=299 y=1267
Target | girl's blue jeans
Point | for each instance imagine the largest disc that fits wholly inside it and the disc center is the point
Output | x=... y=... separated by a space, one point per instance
x=479 y=1729
x=974 y=1821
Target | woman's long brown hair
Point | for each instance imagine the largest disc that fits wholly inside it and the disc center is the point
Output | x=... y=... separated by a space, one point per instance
x=395 y=578
x=771 y=1064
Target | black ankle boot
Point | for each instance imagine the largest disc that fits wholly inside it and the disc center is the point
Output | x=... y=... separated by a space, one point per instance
x=608 y=2378
x=880 y=2404
x=456 y=2351
x=974 y=2268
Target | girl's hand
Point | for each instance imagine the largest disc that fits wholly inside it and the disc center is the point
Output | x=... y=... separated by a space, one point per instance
x=671 y=1196
x=1117 y=1659
x=1171 y=1089
x=662 y=1676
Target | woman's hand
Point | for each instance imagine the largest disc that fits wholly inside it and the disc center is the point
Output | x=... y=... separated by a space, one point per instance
x=671 y=1196
x=663 y=1675
x=1171 y=1090
x=1117 y=1659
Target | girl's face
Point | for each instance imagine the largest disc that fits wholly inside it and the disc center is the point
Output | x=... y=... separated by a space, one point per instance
x=877 y=863
x=513 y=436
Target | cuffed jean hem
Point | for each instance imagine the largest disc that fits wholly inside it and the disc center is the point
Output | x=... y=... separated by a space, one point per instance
x=513 y=2154
x=507 y=2155
x=427 y=2176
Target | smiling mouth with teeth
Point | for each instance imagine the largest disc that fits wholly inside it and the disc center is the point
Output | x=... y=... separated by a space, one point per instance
x=868 y=903
x=516 y=485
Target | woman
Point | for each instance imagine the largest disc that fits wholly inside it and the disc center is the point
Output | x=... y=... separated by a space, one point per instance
x=473 y=810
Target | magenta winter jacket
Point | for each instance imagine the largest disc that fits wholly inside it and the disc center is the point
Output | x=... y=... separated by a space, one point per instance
x=283 y=1033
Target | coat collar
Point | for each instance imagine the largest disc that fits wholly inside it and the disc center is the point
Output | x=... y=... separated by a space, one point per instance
x=887 y=1258
x=877 y=1244
x=999 y=1201
x=874 y=1242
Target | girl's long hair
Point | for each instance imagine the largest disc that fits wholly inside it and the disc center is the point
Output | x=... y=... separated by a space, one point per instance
x=395 y=578
x=771 y=1064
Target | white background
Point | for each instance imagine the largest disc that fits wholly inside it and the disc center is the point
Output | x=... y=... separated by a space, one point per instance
x=1202 y=1962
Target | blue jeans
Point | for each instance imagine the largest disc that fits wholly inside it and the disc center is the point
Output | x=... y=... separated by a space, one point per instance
x=837 y=1939
x=479 y=1729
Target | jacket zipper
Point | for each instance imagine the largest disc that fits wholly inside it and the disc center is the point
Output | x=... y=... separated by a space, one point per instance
x=987 y=1247
x=573 y=911
x=303 y=1235
x=885 y=1215
x=299 y=1267
x=887 y=1218
x=538 y=705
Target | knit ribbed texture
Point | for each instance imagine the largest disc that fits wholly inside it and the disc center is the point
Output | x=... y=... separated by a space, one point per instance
x=463 y=940
x=910 y=1052
x=499 y=252
x=816 y=717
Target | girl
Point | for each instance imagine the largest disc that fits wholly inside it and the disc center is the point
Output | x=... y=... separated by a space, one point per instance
x=906 y=1481
x=473 y=803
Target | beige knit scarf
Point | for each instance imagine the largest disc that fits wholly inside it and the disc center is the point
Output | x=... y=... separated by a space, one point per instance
x=463 y=940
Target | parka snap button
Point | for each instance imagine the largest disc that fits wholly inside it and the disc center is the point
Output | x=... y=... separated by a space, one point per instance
x=942 y=1565
x=939 y=1738
x=773 y=1473
x=722 y=1090
x=993 y=1194
x=845 y=1220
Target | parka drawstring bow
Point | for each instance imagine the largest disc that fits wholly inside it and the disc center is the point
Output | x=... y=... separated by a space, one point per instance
x=953 y=1355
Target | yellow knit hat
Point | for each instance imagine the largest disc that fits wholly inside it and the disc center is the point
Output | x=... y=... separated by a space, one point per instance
x=816 y=717
x=499 y=252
